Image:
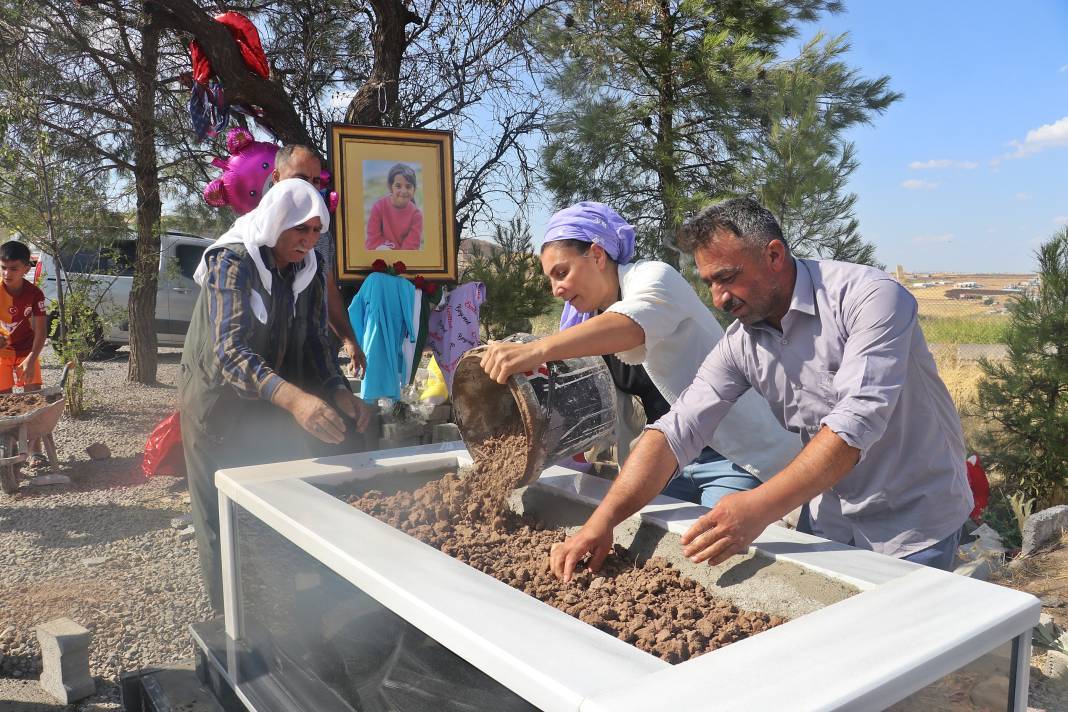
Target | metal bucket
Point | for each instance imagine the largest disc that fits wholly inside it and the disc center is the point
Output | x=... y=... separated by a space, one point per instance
x=563 y=407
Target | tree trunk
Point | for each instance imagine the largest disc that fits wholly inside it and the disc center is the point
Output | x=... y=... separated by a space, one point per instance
x=665 y=138
x=379 y=94
x=143 y=342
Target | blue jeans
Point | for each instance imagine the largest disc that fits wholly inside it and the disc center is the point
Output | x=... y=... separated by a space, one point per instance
x=708 y=479
x=939 y=555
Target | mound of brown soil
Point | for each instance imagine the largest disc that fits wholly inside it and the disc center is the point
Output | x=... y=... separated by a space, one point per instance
x=650 y=605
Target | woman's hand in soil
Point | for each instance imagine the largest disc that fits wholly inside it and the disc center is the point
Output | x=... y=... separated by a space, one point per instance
x=354 y=407
x=728 y=529
x=591 y=540
x=502 y=359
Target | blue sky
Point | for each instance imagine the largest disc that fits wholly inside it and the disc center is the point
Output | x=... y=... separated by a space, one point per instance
x=967 y=172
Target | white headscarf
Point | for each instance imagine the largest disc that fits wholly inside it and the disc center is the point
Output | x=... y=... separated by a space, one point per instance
x=288 y=203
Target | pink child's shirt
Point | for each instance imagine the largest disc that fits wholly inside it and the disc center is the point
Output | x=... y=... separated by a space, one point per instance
x=401 y=226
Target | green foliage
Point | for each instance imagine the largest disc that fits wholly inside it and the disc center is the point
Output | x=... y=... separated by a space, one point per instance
x=964 y=329
x=1026 y=395
x=516 y=289
x=75 y=337
x=667 y=110
x=1001 y=517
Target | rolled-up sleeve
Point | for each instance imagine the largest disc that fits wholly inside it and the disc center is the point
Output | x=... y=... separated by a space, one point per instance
x=649 y=304
x=692 y=420
x=880 y=324
x=228 y=291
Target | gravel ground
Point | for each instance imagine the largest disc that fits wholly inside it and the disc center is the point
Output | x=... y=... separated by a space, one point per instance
x=101 y=550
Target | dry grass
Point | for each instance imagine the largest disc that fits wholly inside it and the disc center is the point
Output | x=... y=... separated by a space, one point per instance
x=962 y=379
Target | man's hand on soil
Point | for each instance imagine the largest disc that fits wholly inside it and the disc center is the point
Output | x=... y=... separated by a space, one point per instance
x=354 y=407
x=590 y=540
x=728 y=529
x=502 y=359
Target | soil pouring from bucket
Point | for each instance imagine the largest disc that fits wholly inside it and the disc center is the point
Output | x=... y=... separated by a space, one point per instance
x=651 y=604
x=562 y=408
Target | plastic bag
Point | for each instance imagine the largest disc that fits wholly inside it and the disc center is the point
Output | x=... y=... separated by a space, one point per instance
x=979 y=485
x=435 y=391
x=163 y=451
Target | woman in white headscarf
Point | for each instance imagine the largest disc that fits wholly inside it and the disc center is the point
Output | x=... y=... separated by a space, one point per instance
x=257 y=368
x=654 y=332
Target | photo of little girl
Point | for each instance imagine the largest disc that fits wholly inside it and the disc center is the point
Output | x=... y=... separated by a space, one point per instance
x=396 y=223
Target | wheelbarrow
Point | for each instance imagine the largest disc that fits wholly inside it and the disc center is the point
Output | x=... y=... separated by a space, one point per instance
x=19 y=431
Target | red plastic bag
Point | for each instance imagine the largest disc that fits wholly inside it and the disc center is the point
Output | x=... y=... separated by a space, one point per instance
x=163 y=451
x=980 y=485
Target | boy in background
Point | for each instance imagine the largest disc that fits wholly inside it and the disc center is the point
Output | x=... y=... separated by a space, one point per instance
x=22 y=321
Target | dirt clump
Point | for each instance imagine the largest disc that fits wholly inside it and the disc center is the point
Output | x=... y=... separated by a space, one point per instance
x=650 y=605
x=12 y=404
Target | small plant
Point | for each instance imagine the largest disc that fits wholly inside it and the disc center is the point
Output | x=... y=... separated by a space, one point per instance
x=516 y=290
x=75 y=337
x=1021 y=508
x=999 y=515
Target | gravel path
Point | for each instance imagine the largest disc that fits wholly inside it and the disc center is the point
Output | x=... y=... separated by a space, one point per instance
x=101 y=550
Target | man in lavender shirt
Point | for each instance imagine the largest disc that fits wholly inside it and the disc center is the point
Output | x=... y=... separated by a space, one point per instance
x=837 y=352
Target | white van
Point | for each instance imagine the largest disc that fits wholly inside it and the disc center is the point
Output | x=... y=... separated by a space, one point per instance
x=112 y=270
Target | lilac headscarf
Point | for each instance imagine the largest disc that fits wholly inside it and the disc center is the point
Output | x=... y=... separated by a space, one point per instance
x=595 y=223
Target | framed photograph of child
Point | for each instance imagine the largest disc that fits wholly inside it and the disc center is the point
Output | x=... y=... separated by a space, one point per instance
x=395 y=200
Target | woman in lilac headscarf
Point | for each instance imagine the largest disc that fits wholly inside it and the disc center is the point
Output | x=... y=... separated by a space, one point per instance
x=653 y=331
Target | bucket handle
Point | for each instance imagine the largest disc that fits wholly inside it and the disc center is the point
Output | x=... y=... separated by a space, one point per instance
x=553 y=370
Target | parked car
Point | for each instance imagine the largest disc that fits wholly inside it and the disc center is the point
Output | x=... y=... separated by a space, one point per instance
x=111 y=270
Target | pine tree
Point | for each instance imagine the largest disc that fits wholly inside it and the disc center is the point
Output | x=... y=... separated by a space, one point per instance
x=669 y=104
x=516 y=289
x=1026 y=395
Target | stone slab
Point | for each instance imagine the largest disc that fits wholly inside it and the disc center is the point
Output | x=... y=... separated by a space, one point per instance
x=1043 y=527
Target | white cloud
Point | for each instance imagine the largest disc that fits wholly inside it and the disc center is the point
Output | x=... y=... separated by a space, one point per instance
x=1060 y=220
x=943 y=163
x=1063 y=69
x=1047 y=136
x=917 y=184
x=928 y=239
x=1023 y=196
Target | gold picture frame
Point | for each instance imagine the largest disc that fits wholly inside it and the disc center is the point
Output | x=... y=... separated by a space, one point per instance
x=395 y=201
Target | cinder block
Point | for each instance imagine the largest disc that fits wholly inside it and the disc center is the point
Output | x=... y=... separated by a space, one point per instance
x=1042 y=527
x=396 y=435
x=65 y=660
x=446 y=432
x=440 y=414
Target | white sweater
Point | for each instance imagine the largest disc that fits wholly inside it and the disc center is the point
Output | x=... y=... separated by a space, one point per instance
x=680 y=332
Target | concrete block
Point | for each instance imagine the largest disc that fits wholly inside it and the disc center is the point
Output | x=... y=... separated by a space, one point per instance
x=1055 y=666
x=1043 y=527
x=65 y=660
x=445 y=433
x=396 y=435
x=440 y=414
